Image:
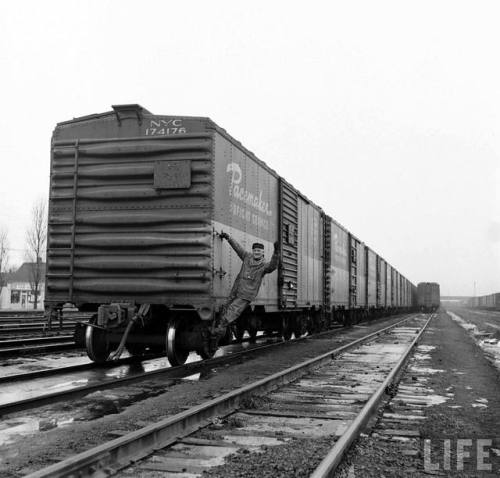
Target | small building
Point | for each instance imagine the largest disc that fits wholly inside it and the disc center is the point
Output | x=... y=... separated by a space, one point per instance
x=16 y=293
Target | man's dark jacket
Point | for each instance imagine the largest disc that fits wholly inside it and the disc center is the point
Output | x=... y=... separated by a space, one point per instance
x=247 y=284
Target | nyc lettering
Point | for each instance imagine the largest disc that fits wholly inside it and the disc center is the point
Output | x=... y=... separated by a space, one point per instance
x=252 y=199
x=162 y=127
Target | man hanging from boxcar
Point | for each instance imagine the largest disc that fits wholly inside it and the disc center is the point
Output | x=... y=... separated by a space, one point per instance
x=247 y=284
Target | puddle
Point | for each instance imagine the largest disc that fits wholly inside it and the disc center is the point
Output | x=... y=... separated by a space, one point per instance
x=88 y=408
x=435 y=400
x=12 y=430
x=426 y=348
x=425 y=370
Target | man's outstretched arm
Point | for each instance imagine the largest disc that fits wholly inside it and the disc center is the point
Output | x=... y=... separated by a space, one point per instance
x=275 y=259
x=234 y=244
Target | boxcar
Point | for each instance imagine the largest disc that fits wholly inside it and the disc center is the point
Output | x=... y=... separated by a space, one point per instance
x=339 y=266
x=137 y=203
x=428 y=296
x=389 y=291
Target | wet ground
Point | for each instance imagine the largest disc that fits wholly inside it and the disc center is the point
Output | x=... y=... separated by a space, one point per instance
x=54 y=361
x=171 y=398
x=443 y=418
x=16 y=365
x=94 y=405
x=484 y=327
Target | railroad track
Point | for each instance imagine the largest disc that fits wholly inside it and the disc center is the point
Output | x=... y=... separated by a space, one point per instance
x=29 y=345
x=21 y=313
x=329 y=397
x=24 y=329
x=178 y=372
x=45 y=344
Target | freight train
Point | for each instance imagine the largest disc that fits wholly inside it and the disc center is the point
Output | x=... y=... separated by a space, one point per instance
x=137 y=204
x=490 y=301
x=428 y=296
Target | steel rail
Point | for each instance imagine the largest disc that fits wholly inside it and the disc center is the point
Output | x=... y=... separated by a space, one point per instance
x=16 y=351
x=53 y=372
x=332 y=460
x=10 y=313
x=116 y=454
x=34 y=340
x=30 y=325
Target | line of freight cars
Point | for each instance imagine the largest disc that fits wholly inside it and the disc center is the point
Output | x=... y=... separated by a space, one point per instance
x=490 y=301
x=137 y=203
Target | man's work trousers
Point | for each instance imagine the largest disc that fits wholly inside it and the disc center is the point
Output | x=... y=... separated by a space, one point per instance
x=234 y=308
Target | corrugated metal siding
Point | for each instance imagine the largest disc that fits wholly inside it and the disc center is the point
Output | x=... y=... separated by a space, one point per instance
x=339 y=266
x=383 y=283
x=389 y=285
x=289 y=240
x=371 y=277
x=396 y=288
x=310 y=246
x=119 y=237
x=403 y=291
x=362 y=282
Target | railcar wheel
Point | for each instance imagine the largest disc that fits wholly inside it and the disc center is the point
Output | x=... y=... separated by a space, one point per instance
x=310 y=323
x=207 y=352
x=286 y=328
x=299 y=326
x=175 y=353
x=226 y=338
x=238 y=331
x=252 y=327
x=97 y=344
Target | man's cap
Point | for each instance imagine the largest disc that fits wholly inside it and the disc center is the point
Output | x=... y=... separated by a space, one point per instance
x=257 y=245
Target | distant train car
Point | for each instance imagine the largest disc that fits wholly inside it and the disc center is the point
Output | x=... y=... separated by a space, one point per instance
x=137 y=204
x=490 y=301
x=428 y=296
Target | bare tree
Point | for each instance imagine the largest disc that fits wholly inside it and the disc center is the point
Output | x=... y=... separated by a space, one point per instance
x=36 y=238
x=4 y=255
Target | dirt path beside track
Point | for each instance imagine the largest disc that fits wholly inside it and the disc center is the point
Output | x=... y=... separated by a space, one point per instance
x=445 y=411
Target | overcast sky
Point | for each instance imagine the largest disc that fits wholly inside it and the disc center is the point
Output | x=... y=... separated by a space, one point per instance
x=386 y=114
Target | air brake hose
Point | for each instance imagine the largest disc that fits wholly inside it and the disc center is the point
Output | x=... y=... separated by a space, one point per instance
x=143 y=310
